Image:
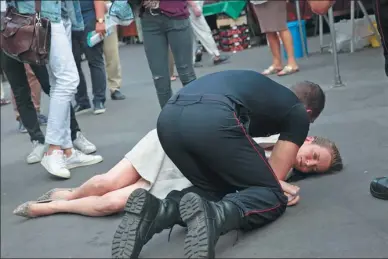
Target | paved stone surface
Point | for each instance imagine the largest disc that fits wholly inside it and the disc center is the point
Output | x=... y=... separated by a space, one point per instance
x=336 y=217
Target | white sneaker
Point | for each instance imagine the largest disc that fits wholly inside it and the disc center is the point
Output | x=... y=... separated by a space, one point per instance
x=84 y=145
x=37 y=153
x=55 y=164
x=78 y=159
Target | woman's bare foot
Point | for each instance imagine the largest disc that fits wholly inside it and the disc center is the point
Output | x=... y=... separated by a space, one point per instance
x=33 y=209
x=273 y=69
x=288 y=70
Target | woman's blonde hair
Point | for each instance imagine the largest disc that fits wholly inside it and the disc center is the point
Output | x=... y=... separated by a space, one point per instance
x=336 y=159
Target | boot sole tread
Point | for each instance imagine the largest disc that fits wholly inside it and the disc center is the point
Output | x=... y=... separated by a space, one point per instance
x=124 y=243
x=378 y=195
x=192 y=212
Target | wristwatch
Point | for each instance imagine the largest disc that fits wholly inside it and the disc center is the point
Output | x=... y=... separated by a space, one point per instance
x=100 y=20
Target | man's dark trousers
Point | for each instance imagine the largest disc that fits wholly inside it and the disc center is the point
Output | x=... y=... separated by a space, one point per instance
x=206 y=138
x=95 y=58
x=381 y=11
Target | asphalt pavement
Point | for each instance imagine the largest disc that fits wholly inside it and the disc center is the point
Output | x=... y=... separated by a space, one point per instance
x=336 y=217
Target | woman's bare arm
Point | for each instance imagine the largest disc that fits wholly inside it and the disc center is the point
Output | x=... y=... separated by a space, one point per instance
x=283 y=158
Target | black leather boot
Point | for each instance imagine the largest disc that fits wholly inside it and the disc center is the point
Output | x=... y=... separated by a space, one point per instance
x=145 y=215
x=206 y=222
x=379 y=188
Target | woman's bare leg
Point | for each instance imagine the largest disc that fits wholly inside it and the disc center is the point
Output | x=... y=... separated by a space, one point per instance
x=123 y=174
x=288 y=45
x=274 y=45
x=94 y=206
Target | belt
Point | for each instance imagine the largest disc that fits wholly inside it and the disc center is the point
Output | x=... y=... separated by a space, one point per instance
x=152 y=11
x=241 y=112
x=196 y=98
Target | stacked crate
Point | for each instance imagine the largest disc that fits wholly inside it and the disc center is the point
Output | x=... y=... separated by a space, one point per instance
x=234 y=39
x=232 y=34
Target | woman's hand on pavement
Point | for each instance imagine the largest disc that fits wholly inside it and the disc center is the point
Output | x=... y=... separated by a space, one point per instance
x=289 y=188
x=292 y=200
x=291 y=191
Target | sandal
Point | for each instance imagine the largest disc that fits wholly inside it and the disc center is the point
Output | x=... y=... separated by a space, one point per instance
x=173 y=78
x=24 y=209
x=288 y=70
x=271 y=70
x=47 y=195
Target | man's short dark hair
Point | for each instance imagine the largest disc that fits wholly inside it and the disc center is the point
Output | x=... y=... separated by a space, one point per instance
x=312 y=95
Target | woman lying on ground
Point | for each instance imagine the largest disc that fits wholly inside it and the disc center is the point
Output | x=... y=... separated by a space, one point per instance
x=147 y=166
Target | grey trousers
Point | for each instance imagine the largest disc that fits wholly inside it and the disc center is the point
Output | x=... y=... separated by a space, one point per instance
x=159 y=33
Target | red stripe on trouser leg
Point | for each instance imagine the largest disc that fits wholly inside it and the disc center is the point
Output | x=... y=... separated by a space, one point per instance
x=254 y=147
x=262 y=211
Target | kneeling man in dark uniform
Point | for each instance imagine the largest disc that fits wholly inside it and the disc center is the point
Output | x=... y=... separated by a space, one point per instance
x=206 y=129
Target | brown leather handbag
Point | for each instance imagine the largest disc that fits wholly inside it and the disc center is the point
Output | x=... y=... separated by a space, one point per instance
x=26 y=37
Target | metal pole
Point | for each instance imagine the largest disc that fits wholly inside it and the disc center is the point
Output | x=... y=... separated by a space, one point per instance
x=321 y=32
x=300 y=28
x=366 y=16
x=352 y=4
x=337 y=76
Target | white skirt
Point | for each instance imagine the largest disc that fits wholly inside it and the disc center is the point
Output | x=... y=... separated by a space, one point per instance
x=153 y=165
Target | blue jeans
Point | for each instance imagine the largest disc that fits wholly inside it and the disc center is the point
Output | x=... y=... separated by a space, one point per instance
x=95 y=58
x=63 y=79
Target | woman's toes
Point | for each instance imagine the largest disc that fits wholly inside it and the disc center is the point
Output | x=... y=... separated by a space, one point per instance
x=23 y=210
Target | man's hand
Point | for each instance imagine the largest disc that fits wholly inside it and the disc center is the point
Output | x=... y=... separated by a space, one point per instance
x=100 y=9
x=197 y=12
x=195 y=8
x=292 y=193
x=100 y=28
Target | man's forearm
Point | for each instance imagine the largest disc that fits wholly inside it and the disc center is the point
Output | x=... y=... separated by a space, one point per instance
x=320 y=6
x=100 y=9
x=283 y=158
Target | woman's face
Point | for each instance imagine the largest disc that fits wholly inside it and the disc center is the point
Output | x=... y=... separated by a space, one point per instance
x=312 y=158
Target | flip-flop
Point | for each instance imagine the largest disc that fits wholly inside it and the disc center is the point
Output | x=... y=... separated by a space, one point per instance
x=287 y=70
x=23 y=210
x=4 y=102
x=270 y=71
x=47 y=195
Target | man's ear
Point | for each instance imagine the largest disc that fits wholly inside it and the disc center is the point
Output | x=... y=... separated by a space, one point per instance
x=309 y=139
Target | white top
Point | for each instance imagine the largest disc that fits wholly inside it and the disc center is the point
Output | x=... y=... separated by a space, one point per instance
x=3 y=5
x=152 y=164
